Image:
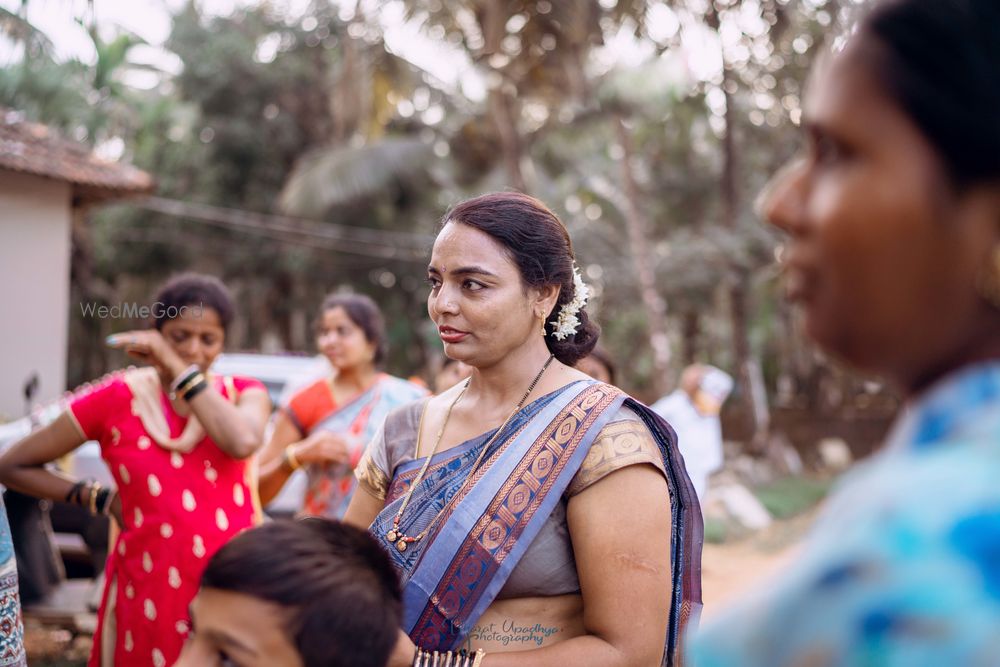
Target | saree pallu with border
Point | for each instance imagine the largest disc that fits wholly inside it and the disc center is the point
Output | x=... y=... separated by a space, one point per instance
x=454 y=574
x=330 y=487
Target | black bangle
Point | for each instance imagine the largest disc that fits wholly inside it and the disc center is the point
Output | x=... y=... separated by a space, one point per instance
x=195 y=390
x=102 y=503
x=75 y=494
x=184 y=378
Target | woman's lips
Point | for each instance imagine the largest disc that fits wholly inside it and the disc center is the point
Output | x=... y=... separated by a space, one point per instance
x=800 y=285
x=797 y=276
x=451 y=335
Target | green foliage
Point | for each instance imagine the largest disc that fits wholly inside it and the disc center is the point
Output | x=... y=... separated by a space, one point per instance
x=791 y=496
x=716 y=531
x=308 y=113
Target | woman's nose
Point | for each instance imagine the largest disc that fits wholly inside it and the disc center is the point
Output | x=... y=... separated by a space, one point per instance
x=782 y=201
x=445 y=302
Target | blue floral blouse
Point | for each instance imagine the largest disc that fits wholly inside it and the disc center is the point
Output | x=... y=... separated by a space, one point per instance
x=903 y=568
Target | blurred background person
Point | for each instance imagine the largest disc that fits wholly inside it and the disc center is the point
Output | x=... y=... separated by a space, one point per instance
x=328 y=597
x=693 y=411
x=325 y=427
x=892 y=214
x=176 y=440
x=598 y=365
x=450 y=373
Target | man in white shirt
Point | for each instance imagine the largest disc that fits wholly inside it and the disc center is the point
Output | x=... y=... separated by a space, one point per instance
x=693 y=411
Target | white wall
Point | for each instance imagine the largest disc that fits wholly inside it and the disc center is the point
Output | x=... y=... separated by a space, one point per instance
x=34 y=287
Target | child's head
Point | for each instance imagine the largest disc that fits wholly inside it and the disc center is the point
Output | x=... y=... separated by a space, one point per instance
x=307 y=593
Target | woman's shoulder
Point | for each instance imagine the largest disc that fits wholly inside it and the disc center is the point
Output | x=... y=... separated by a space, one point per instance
x=404 y=420
x=115 y=383
x=311 y=397
x=312 y=389
x=625 y=440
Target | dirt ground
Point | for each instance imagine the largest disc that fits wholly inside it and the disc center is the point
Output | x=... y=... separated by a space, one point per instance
x=728 y=570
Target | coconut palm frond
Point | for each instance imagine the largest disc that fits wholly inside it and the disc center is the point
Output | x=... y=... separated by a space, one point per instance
x=332 y=176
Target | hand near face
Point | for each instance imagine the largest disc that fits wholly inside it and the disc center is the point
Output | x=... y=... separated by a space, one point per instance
x=149 y=347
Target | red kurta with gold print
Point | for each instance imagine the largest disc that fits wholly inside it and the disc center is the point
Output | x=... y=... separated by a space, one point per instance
x=178 y=508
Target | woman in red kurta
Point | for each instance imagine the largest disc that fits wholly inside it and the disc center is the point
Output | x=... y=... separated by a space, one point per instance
x=177 y=441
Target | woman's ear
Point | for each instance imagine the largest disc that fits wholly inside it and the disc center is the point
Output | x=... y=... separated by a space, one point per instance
x=544 y=298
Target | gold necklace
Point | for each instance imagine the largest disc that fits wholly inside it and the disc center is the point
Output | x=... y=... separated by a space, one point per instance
x=396 y=535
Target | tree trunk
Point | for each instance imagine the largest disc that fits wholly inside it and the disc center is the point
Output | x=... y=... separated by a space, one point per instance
x=640 y=243
x=690 y=332
x=505 y=122
x=503 y=106
x=738 y=275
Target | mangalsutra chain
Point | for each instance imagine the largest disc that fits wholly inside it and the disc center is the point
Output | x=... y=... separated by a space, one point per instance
x=394 y=534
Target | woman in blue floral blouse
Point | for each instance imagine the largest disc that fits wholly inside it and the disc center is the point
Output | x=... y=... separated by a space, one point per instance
x=893 y=221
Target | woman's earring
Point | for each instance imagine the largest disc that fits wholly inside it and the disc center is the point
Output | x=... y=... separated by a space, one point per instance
x=989 y=279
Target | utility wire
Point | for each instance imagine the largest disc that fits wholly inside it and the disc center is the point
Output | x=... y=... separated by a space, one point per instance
x=364 y=241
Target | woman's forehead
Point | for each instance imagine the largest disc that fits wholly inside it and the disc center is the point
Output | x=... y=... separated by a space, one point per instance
x=196 y=317
x=459 y=247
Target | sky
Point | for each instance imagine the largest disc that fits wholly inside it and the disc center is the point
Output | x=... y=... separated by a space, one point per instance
x=150 y=19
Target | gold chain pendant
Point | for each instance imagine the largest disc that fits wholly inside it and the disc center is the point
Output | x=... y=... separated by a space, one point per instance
x=392 y=535
x=401 y=546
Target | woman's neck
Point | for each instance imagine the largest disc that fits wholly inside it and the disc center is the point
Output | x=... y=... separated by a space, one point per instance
x=505 y=382
x=983 y=346
x=355 y=379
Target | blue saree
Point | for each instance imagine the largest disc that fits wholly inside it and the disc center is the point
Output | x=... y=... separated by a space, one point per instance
x=454 y=574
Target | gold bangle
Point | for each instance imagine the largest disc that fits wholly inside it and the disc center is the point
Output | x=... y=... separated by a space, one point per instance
x=478 y=660
x=92 y=499
x=290 y=458
x=184 y=377
x=184 y=386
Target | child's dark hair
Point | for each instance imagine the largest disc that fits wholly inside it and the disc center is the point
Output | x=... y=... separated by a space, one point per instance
x=337 y=585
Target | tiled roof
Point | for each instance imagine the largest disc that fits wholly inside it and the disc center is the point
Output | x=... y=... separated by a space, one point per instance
x=31 y=148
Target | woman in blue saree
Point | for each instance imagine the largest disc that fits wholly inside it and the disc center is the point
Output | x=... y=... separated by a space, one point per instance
x=325 y=426
x=536 y=516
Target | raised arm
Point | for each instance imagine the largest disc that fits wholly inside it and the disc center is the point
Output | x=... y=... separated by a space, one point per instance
x=275 y=466
x=237 y=429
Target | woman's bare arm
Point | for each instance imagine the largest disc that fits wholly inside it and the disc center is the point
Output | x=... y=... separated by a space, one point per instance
x=273 y=470
x=363 y=509
x=237 y=429
x=21 y=466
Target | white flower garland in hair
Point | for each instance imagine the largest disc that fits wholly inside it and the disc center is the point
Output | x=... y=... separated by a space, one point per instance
x=568 y=321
